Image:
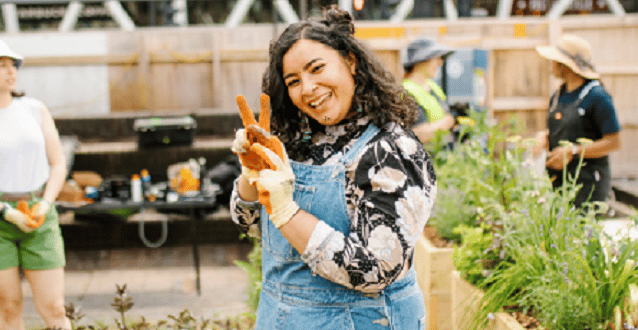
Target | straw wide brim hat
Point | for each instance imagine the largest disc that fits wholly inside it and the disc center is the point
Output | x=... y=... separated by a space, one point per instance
x=572 y=51
x=5 y=51
x=422 y=50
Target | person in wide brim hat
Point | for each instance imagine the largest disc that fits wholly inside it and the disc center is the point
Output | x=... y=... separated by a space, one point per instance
x=422 y=59
x=580 y=110
x=422 y=50
x=572 y=51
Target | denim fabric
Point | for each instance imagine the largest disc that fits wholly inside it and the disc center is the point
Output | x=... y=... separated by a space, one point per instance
x=293 y=298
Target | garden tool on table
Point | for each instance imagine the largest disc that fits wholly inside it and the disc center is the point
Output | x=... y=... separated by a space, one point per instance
x=26 y=218
x=254 y=159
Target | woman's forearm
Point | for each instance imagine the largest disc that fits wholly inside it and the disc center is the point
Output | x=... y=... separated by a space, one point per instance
x=601 y=147
x=246 y=191
x=56 y=181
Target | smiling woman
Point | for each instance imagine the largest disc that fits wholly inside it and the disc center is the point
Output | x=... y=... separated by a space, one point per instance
x=320 y=82
x=341 y=188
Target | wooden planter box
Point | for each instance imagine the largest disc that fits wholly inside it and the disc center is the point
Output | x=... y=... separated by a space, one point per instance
x=434 y=269
x=465 y=300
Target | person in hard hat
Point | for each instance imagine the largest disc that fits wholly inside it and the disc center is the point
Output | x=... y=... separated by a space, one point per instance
x=421 y=61
x=581 y=108
x=32 y=172
x=341 y=189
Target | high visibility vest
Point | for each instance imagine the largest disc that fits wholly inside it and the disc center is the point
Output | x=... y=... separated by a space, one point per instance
x=432 y=101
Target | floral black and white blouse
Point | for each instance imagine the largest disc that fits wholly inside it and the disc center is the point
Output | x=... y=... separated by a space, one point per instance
x=390 y=191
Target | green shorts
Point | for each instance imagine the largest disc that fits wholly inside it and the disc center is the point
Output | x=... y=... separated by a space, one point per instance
x=40 y=249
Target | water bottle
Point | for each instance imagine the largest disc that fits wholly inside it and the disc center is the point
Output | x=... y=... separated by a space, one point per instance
x=136 y=189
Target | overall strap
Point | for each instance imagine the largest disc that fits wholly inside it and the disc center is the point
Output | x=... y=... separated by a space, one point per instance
x=588 y=88
x=581 y=96
x=554 y=101
x=363 y=140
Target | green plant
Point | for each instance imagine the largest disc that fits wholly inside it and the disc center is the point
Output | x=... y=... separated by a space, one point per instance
x=559 y=266
x=478 y=173
x=253 y=269
x=122 y=304
x=478 y=252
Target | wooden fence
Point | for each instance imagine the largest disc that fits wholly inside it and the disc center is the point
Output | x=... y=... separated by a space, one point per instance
x=160 y=70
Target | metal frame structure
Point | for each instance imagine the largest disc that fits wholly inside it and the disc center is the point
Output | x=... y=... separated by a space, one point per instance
x=241 y=8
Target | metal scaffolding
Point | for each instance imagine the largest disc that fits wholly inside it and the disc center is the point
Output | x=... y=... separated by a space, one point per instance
x=241 y=8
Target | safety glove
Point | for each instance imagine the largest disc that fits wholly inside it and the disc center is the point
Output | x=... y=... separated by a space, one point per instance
x=21 y=217
x=251 y=159
x=39 y=212
x=276 y=185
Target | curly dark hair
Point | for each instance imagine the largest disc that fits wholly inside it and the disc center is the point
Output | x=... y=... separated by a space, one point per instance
x=376 y=94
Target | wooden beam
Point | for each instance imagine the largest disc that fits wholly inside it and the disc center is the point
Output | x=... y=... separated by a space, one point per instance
x=119 y=15
x=70 y=16
x=155 y=57
x=520 y=103
x=618 y=70
x=238 y=13
x=10 y=16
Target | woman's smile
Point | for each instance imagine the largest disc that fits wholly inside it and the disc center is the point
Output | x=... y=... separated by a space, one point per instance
x=320 y=81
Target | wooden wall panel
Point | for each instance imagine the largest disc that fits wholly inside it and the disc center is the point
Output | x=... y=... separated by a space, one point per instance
x=624 y=162
x=519 y=73
x=161 y=69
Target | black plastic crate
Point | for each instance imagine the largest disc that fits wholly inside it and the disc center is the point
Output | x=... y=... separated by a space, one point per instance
x=157 y=132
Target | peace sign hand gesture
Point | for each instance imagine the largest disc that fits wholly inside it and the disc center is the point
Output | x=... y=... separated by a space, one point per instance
x=253 y=159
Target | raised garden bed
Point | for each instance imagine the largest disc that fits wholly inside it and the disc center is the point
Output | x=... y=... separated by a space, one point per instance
x=465 y=300
x=434 y=267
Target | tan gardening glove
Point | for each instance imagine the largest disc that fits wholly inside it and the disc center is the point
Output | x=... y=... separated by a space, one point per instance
x=253 y=160
x=17 y=217
x=276 y=186
x=39 y=212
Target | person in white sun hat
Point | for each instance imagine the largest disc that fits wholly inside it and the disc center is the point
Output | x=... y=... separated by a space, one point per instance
x=32 y=172
x=581 y=108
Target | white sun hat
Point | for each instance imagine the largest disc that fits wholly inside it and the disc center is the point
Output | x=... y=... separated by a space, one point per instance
x=573 y=51
x=5 y=51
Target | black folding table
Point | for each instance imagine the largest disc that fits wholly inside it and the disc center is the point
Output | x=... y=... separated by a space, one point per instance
x=196 y=205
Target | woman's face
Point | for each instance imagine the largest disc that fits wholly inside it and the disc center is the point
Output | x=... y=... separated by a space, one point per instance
x=320 y=81
x=558 y=70
x=8 y=74
x=430 y=67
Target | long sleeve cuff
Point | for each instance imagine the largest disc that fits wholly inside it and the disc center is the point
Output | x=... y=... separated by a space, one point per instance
x=315 y=251
x=246 y=205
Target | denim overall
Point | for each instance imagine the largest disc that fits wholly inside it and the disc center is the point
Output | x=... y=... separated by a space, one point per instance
x=292 y=298
x=565 y=122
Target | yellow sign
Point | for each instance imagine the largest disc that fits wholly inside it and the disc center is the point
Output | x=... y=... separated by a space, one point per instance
x=379 y=32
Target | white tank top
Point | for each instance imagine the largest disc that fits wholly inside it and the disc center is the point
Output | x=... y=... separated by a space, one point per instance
x=23 y=161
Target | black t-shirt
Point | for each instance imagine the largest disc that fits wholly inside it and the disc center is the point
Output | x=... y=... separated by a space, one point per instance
x=600 y=114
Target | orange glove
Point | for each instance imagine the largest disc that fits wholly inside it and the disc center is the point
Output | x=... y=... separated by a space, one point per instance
x=27 y=219
x=276 y=187
x=254 y=159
